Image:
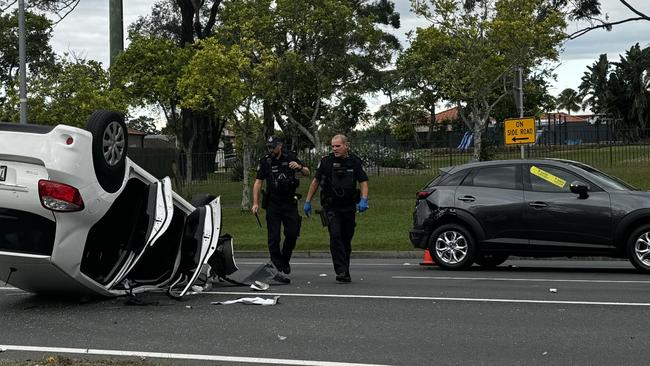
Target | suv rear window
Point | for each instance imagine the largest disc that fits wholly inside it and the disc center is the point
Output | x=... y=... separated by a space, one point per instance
x=504 y=176
x=453 y=179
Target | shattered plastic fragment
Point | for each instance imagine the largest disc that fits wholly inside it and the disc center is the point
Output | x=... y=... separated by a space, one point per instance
x=282 y=338
x=196 y=288
x=188 y=306
x=323 y=275
x=553 y=290
x=260 y=286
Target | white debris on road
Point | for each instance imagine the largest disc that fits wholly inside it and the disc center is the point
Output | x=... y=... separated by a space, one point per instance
x=249 y=301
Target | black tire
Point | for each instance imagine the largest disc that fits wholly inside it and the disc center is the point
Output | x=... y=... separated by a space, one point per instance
x=452 y=247
x=490 y=259
x=638 y=248
x=202 y=199
x=109 y=148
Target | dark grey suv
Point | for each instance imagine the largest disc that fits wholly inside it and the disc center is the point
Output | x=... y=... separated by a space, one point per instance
x=484 y=212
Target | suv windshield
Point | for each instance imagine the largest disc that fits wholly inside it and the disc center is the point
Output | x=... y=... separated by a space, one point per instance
x=607 y=181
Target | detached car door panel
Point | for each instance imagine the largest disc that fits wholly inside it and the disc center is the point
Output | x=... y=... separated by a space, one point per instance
x=202 y=236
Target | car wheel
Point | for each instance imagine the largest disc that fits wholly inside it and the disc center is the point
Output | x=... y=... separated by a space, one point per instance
x=491 y=259
x=202 y=199
x=109 y=148
x=452 y=246
x=638 y=248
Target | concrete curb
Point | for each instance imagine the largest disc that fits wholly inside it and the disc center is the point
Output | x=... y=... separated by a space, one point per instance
x=326 y=254
x=394 y=254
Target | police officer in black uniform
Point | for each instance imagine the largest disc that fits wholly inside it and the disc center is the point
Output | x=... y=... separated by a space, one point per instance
x=337 y=175
x=279 y=168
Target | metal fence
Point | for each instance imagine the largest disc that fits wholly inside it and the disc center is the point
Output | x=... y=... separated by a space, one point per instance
x=597 y=145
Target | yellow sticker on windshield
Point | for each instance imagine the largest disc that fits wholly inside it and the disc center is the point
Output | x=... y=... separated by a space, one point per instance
x=547 y=176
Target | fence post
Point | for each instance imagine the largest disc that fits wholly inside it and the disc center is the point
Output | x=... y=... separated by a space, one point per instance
x=609 y=132
x=449 y=146
x=377 y=158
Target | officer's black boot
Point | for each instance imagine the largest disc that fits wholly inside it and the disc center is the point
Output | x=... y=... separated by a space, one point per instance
x=344 y=277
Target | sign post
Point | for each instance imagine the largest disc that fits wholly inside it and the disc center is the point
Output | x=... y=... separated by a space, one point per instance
x=519 y=99
x=518 y=131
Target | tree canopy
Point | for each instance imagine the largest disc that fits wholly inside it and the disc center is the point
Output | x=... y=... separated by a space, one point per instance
x=476 y=48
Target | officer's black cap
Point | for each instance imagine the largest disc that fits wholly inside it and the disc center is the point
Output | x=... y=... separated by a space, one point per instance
x=273 y=141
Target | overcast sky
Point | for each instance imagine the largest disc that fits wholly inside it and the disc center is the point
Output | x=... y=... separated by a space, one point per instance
x=85 y=33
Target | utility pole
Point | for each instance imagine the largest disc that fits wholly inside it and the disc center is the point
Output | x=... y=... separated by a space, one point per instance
x=22 y=60
x=519 y=99
x=116 y=29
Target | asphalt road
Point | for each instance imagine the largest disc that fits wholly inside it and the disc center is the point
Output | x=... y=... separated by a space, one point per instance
x=393 y=313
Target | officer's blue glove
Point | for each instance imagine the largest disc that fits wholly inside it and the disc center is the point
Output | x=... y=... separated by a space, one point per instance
x=363 y=204
x=307 y=208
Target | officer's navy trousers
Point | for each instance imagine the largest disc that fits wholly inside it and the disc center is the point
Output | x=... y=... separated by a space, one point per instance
x=341 y=224
x=285 y=215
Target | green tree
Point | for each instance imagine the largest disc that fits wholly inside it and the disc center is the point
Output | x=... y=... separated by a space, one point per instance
x=181 y=23
x=144 y=124
x=39 y=57
x=413 y=66
x=537 y=99
x=482 y=45
x=594 y=85
x=569 y=100
x=148 y=72
x=70 y=92
x=326 y=49
x=39 y=52
x=222 y=79
x=630 y=90
x=351 y=111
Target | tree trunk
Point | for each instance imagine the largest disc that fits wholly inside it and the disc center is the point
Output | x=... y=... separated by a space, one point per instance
x=189 y=149
x=432 y=123
x=478 y=132
x=269 y=122
x=246 y=157
x=246 y=186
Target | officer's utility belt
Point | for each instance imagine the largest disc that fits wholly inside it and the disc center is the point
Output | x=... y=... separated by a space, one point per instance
x=345 y=198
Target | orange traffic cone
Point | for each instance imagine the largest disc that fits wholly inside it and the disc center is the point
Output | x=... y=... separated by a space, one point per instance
x=427 y=260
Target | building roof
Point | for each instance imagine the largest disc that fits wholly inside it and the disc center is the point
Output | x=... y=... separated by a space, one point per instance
x=447 y=115
x=135 y=132
x=561 y=116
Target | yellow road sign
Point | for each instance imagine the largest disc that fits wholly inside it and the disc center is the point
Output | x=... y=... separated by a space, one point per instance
x=519 y=130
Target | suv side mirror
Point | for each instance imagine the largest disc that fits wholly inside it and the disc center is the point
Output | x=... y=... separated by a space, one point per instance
x=580 y=189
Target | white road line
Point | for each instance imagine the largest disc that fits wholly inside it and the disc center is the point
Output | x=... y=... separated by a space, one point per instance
x=329 y=263
x=178 y=356
x=432 y=298
x=516 y=279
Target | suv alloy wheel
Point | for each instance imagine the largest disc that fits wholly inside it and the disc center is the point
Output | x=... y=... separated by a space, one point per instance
x=452 y=246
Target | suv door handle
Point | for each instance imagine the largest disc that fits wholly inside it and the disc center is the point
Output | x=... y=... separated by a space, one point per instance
x=467 y=199
x=538 y=204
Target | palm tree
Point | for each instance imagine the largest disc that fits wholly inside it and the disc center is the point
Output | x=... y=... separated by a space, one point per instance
x=633 y=70
x=570 y=100
x=594 y=85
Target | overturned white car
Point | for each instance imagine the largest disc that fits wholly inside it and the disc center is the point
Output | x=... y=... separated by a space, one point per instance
x=78 y=216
